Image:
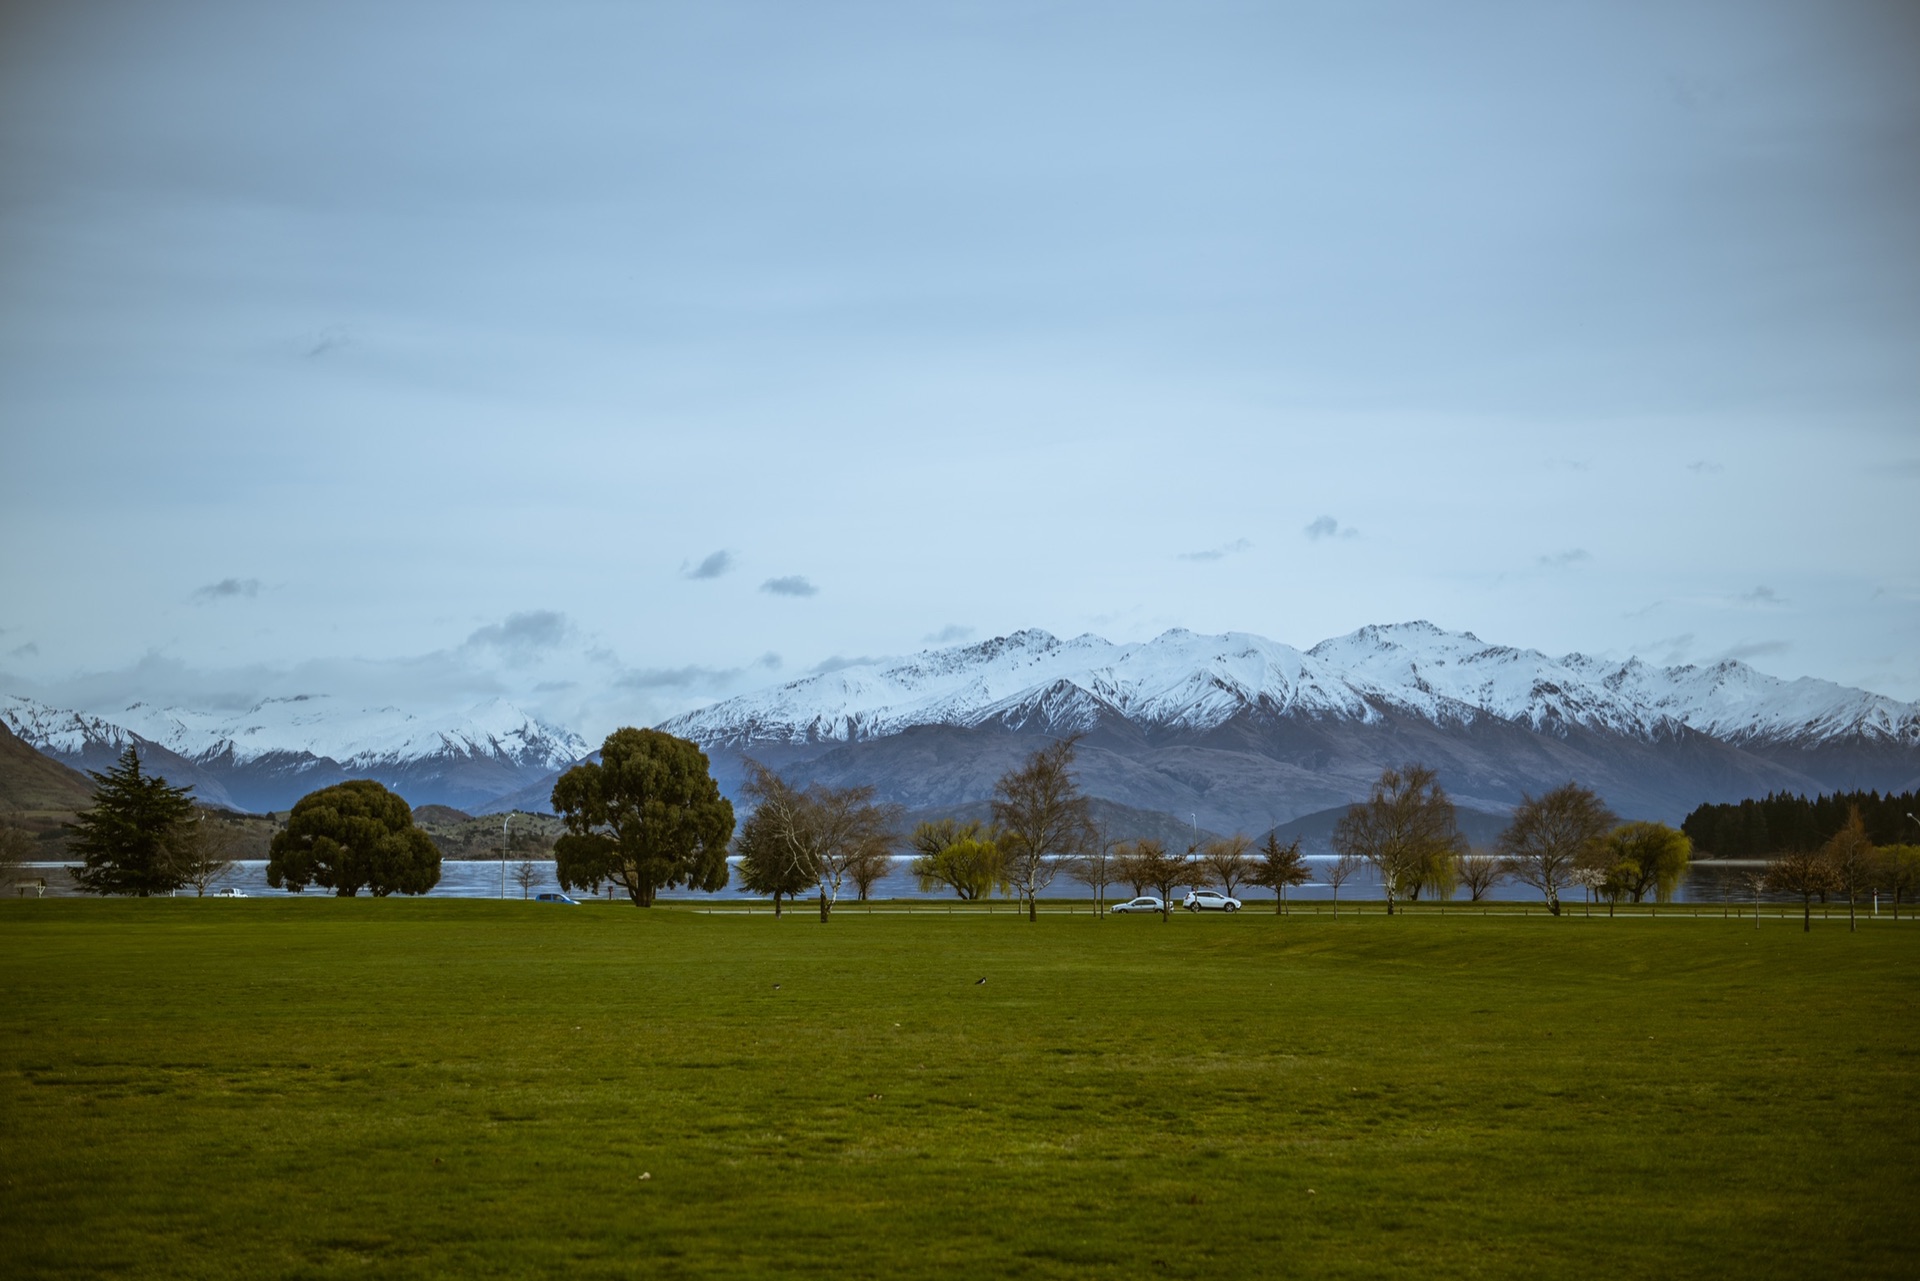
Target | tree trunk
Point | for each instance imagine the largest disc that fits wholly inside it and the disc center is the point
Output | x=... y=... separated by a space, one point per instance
x=776 y=905
x=1806 y=914
x=1852 y=928
x=824 y=907
x=1553 y=905
x=1033 y=913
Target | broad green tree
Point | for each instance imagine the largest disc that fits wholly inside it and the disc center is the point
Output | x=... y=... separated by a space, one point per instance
x=1042 y=818
x=1550 y=836
x=353 y=836
x=959 y=856
x=133 y=839
x=1406 y=828
x=646 y=817
x=1659 y=855
x=1280 y=868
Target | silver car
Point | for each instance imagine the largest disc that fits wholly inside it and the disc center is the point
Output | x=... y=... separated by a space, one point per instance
x=1145 y=903
x=1209 y=901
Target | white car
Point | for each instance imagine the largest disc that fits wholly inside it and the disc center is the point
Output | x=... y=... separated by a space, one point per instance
x=231 y=892
x=1145 y=903
x=1209 y=901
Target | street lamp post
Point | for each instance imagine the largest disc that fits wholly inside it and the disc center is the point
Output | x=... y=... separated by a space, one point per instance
x=503 y=855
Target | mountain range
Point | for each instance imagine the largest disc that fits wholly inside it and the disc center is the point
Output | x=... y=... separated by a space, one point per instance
x=271 y=754
x=1222 y=732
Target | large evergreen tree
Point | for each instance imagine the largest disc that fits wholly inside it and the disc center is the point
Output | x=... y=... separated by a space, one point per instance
x=134 y=837
x=353 y=836
x=648 y=816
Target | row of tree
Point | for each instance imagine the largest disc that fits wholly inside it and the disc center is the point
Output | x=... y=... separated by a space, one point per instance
x=649 y=816
x=1783 y=822
x=143 y=836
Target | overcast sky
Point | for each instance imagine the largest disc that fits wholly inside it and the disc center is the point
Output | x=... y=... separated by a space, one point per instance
x=618 y=357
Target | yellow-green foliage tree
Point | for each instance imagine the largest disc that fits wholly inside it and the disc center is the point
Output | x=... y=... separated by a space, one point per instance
x=1658 y=855
x=962 y=857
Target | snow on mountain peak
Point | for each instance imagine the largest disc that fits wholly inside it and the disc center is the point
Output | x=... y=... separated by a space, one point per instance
x=318 y=725
x=1181 y=679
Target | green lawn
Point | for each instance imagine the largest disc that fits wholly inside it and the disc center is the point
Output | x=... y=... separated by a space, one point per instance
x=405 y=1088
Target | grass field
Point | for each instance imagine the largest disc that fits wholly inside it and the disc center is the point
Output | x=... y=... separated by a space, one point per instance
x=396 y=1088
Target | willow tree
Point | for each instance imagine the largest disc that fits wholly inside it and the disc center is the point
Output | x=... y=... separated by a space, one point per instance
x=1406 y=828
x=962 y=857
x=646 y=817
x=1652 y=857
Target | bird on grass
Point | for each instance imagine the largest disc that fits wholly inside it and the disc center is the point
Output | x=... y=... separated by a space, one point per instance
x=978 y=982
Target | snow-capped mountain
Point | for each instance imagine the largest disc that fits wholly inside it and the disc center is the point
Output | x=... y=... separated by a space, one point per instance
x=1184 y=681
x=1238 y=731
x=1230 y=732
x=273 y=752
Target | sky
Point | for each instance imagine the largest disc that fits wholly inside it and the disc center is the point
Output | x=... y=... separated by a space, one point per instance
x=616 y=358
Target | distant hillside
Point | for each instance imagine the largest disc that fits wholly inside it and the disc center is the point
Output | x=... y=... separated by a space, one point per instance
x=35 y=784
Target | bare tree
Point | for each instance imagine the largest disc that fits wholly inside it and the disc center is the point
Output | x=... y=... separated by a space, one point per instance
x=1852 y=860
x=526 y=874
x=1478 y=872
x=869 y=865
x=1279 y=868
x=1158 y=869
x=1802 y=872
x=1041 y=817
x=1339 y=872
x=832 y=830
x=1551 y=835
x=1097 y=866
x=1406 y=829
x=206 y=850
x=1227 y=861
x=775 y=844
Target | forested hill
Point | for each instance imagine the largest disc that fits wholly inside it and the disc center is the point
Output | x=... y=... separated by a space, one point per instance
x=1755 y=829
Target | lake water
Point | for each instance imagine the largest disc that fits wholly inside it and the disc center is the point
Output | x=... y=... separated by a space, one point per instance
x=1706 y=882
